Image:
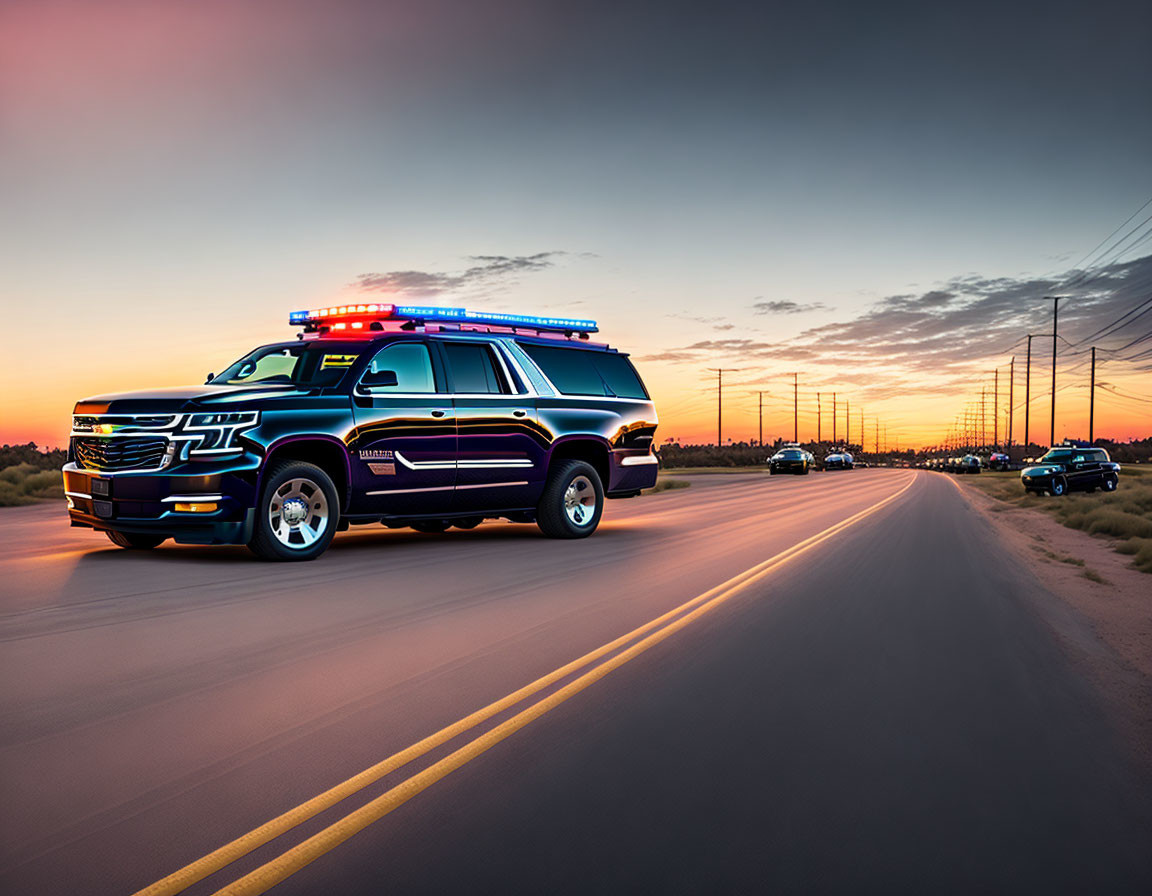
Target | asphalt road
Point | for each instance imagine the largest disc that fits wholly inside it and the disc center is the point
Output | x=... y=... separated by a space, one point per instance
x=883 y=712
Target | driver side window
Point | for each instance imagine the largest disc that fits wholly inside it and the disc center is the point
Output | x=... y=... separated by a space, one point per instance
x=411 y=364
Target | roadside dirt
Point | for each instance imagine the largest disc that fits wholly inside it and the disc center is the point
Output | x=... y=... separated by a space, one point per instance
x=1099 y=606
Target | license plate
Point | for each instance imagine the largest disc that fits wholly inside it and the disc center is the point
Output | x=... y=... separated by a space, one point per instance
x=101 y=487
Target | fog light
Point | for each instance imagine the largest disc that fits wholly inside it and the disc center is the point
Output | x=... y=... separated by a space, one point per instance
x=198 y=507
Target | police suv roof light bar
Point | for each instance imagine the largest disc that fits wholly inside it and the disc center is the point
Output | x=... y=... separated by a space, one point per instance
x=361 y=317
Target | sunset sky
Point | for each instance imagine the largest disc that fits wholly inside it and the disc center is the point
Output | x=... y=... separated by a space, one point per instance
x=877 y=196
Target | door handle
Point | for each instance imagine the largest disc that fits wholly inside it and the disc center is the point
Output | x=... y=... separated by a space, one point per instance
x=439 y=413
x=519 y=413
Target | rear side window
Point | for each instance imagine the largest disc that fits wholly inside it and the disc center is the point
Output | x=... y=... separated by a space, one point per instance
x=411 y=364
x=474 y=369
x=583 y=372
x=1098 y=456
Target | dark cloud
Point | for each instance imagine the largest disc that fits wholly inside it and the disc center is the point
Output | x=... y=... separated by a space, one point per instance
x=485 y=270
x=943 y=332
x=781 y=306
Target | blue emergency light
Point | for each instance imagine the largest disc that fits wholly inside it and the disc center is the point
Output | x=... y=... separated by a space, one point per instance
x=436 y=314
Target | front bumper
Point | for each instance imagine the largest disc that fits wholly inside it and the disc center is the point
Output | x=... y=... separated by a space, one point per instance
x=146 y=502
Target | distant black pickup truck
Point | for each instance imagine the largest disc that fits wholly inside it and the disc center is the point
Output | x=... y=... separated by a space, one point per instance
x=1063 y=469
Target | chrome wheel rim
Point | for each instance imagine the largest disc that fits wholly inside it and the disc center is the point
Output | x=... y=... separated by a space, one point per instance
x=298 y=513
x=580 y=501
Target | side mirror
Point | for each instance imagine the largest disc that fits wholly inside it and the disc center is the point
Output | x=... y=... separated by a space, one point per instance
x=377 y=379
x=211 y=377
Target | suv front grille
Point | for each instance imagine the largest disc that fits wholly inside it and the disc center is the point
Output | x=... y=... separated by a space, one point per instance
x=126 y=453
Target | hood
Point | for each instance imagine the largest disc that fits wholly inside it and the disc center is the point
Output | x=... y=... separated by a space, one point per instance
x=1042 y=469
x=181 y=398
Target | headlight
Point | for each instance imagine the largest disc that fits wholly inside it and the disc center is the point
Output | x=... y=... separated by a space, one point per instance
x=217 y=431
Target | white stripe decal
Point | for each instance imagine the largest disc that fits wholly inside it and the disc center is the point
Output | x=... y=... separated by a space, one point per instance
x=445 y=488
x=486 y=464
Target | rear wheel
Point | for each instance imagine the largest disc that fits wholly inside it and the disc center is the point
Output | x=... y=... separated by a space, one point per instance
x=1059 y=487
x=133 y=541
x=573 y=501
x=297 y=514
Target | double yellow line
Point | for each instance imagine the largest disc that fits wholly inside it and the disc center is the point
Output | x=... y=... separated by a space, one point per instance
x=634 y=643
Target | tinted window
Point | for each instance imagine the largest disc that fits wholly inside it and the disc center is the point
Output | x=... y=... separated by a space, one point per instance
x=583 y=372
x=410 y=362
x=474 y=368
x=307 y=365
x=790 y=453
x=1099 y=455
x=1057 y=456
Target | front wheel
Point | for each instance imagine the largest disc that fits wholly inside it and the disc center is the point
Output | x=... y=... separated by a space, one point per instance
x=134 y=541
x=1059 y=487
x=1110 y=482
x=573 y=501
x=297 y=514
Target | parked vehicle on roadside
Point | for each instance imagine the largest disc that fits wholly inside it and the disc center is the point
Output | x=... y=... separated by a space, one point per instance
x=999 y=461
x=790 y=460
x=969 y=463
x=1069 y=468
x=401 y=415
x=838 y=460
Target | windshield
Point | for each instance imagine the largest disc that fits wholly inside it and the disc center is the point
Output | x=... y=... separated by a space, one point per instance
x=303 y=364
x=789 y=453
x=1057 y=456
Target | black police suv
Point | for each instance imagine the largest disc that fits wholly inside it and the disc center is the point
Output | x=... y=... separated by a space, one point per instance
x=401 y=415
x=790 y=460
x=1072 y=468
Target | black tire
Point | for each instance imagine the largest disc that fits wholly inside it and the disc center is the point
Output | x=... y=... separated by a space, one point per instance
x=1110 y=482
x=266 y=543
x=557 y=514
x=134 y=541
x=1059 y=487
x=431 y=527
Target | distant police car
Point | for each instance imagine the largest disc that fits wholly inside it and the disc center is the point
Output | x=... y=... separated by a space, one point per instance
x=1071 y=468
x=790 y=460
x=401 y=415
x=838 y=460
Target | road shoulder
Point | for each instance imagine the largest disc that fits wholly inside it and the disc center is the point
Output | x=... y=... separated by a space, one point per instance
x=1095 y=602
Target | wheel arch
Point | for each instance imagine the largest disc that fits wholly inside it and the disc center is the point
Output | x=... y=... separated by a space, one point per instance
x=328 y=453
x=590 y=449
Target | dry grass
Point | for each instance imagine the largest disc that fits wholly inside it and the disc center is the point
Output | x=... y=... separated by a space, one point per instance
x=1125 y=514
x=665 y=485
x=27 y=484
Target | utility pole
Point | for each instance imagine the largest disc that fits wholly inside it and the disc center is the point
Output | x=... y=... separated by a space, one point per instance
x=720 y=371
x=1055 y=316
x=761 y=440
x=876 y=437
x=1092 y=400
x=796 y=407
x=833 y=419
x=819 y=419
x=996 y=410
x=983 y=416
x=861 y=429
x=1011 y=384
x=1027 y=391
x=847 y=423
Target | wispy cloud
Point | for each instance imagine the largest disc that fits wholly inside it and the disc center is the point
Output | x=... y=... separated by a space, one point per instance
x=947 y=330
x=784 y=306
x=484 y=271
